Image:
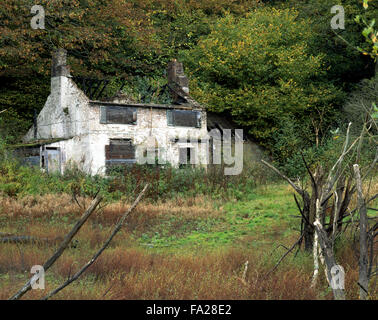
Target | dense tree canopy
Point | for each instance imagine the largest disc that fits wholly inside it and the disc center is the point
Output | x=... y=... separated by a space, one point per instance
x=260 y=69
x=275 y=66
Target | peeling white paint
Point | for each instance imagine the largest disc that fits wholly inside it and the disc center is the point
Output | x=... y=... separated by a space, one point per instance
x=69 y=114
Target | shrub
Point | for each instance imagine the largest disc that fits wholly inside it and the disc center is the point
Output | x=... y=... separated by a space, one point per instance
x=17 y=180
x=260 y=69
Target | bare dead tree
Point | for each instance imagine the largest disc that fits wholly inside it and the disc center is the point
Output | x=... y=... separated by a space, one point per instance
x=334 y=187
x=67 y=239
x=329 y=258
x=98 y=253
x=326 y=241
x=363 y=279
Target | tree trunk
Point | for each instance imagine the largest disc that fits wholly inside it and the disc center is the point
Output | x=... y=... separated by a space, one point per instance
x=308 y=229
x=329 y=259
x=363 y=279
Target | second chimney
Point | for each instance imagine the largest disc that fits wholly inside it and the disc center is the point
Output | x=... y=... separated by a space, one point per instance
x=177 y=80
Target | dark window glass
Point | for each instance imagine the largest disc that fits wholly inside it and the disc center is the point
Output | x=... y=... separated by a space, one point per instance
x=184 y=118
x=118 y=115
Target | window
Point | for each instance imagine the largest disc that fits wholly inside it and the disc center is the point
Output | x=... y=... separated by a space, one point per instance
x=118 y=152
x=118 y=115
x=52 y=159
x=184 y=118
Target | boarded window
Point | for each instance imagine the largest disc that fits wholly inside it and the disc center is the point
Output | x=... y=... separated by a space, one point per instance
x=118 y=115
x=119 y=152
x=51 y=159
x=184 y=118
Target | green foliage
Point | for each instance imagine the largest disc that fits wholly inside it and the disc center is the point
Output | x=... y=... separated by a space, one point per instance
x=17 y=180
x=345 y=64
x=361 y=104
x=275 y=66
x=148 y=90
x=19 y=97
x=168 y=182
x=369 y=32
x=260 y=70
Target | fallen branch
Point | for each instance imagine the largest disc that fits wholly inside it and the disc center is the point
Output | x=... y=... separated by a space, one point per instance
x=98 y=253
x=2 y=234
x=67 y=239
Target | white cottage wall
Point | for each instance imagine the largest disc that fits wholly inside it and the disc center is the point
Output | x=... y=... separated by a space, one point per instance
x=68 y=114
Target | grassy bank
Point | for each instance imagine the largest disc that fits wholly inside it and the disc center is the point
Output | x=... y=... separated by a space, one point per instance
x=183 y=248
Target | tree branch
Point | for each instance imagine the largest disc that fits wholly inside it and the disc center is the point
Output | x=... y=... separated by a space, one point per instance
x=283 y=257
x=67 y=239
x=98 y=253
x=295 y=187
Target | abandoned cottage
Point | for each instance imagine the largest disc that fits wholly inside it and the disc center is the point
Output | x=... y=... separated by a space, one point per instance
x=96 y=134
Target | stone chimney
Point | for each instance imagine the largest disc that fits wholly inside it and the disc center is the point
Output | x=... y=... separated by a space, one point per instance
x=178 y=82
x=60 y=89
x=59 y=66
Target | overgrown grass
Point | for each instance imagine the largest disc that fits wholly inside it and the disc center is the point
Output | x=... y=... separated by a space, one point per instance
x=183 y=248
x=17 y=180
x=188 y=239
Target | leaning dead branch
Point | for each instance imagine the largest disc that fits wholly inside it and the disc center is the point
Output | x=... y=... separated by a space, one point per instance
x=295 y=187
x=335 y=172
x=98 y=253
x=67 y=239
x=284 y=255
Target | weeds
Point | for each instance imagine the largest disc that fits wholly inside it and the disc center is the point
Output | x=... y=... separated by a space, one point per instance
x=166 y=182
x=183 y=248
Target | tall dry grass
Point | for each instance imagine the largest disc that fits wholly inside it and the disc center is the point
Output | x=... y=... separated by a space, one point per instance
x=126 y=271
x=131 y=273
